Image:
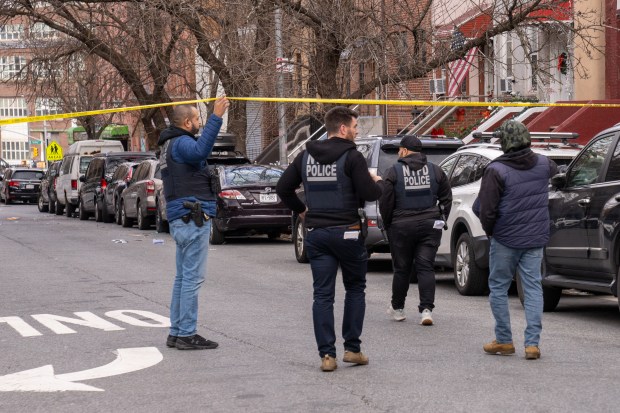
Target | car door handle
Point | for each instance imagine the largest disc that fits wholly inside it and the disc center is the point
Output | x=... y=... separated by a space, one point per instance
x=584 y=202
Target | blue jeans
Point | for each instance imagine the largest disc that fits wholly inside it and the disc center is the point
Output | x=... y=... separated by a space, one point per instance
x=192 y=249
x=504 y=262
x=327 y=249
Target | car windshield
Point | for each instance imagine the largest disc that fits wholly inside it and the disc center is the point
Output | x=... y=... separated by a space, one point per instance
x=115 y=162
x=27 y=175
x=251 y=175
x=84 y=161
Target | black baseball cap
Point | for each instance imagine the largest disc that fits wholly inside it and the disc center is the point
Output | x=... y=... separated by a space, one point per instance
x=411 y=143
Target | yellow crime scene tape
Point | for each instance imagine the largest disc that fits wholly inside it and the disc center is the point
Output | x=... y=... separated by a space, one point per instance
x=68 y=115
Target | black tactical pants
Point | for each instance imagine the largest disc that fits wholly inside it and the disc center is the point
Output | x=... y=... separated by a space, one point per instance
x=414 y=242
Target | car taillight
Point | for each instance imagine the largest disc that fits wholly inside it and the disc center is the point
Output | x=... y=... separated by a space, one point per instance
x=103 y=183
x=14 y=184
x=74 y=184
x=231 y=194
x=150 y=187
x=372 y=222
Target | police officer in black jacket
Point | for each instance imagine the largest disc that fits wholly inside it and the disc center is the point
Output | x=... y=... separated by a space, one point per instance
x=415 y=203
x=337 y=183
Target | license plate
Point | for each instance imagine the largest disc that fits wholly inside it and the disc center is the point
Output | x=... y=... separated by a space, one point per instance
x=268 y=198
x=29 y=186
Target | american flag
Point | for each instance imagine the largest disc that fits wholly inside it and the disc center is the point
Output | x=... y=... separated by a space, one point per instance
x=458 y=69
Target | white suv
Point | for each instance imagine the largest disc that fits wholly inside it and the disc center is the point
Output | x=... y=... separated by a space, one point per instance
x=464 y=246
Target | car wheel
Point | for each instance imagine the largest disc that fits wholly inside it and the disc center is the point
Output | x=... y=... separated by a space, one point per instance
x=7 y=201
x=60 y=208
x=298 y=242
x=51 y=207
x=160 y=224
x=82 y=214
x=41 y=205
x=117 y=213
x=551 y=295
x=216 y=237
x=143 y=220
x=105 y=215
x=69 y=209
x=98 y=217
x=469 y=278
x=125 y=221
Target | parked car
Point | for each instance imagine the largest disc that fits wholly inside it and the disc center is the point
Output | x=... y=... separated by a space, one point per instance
x=111 y=194
x=247 y=203
x=20 y=184
x=137 y=202
x=74 y=165
x=3 y=166
x=222 y=154
x=381 y=152
x=95 y=180
x=464 y=246
x=47 y=191
x=583 y=252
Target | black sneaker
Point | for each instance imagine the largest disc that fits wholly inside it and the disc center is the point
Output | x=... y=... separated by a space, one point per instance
x=195 y=342
x=171 y=341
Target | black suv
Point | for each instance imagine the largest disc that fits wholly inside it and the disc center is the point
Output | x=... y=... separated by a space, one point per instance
x=100 y=171
x=584 y=248
x=20 y=184
x=381 y=152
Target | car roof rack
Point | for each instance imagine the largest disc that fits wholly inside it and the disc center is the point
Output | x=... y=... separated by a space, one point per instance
x=547 y=137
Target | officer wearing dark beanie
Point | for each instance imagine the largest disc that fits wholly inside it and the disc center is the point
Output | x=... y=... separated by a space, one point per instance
x=415 y=202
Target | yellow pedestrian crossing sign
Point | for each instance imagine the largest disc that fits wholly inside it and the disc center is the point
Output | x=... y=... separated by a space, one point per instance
x=54 y=152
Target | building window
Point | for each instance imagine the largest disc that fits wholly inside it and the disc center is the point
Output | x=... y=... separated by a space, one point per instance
x=11 y=32
x=46 y=106
x=362 y=74
x=533 y=39
x=42 y=31
x=15 y=151
x=419 y=36
x=11 y=66
x=509 y=52
x=13 y=107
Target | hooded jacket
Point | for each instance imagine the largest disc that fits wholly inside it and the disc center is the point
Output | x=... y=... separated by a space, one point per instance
x=327 y=152
x=513 y=200
x=387 y=204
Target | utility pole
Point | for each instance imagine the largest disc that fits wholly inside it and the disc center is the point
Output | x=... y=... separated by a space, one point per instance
x=280 y=86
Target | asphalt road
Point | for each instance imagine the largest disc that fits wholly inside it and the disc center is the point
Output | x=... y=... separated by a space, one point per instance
x=256 y=302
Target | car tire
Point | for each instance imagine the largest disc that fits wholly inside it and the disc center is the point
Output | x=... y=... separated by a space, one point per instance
x=98 y=212
x=106 y=218
x=82 y=214
x=125 y=220
x=551 y=295
x=117 y=213
x=7 y=201
x=69 y=209
x=143 y=219
x=160 y=224
x=41 y=205
x=298 y=241
x=469 y=278
x=216 y=237
x=60 y=208
x=51 y=207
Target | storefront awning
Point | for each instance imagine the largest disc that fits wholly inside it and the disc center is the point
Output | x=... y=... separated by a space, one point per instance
x=115 y=132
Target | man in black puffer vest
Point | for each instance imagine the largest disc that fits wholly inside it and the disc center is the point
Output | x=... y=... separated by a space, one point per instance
x=337 y=183
x=415 y=203
x=513 y=209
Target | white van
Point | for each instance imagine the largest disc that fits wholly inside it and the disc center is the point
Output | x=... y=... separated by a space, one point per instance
x=74 y=164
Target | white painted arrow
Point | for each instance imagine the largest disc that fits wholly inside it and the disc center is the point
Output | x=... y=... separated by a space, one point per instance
x=42 y=379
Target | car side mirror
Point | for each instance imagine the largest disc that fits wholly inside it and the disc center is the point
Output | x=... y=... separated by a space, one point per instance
x=558 y=181
x=83 y=178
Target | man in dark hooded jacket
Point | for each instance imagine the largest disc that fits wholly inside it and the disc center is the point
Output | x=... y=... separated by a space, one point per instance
x=189 y=202
x=337 y=183
x=513 y=209
x=415 y=203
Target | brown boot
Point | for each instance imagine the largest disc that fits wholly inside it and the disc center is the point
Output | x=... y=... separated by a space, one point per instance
x=355 y=358
x=328 y=363
x=496 y=348
x=532 y=353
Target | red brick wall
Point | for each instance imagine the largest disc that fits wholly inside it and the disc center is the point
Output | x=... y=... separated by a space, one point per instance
x=612 y=68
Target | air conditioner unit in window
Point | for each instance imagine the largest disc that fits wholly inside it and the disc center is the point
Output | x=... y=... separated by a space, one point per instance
x=438 y=86
x=505 y=85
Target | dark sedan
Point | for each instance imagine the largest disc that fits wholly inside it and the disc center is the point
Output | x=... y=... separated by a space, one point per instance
x=20 y=184
x=247 y=202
